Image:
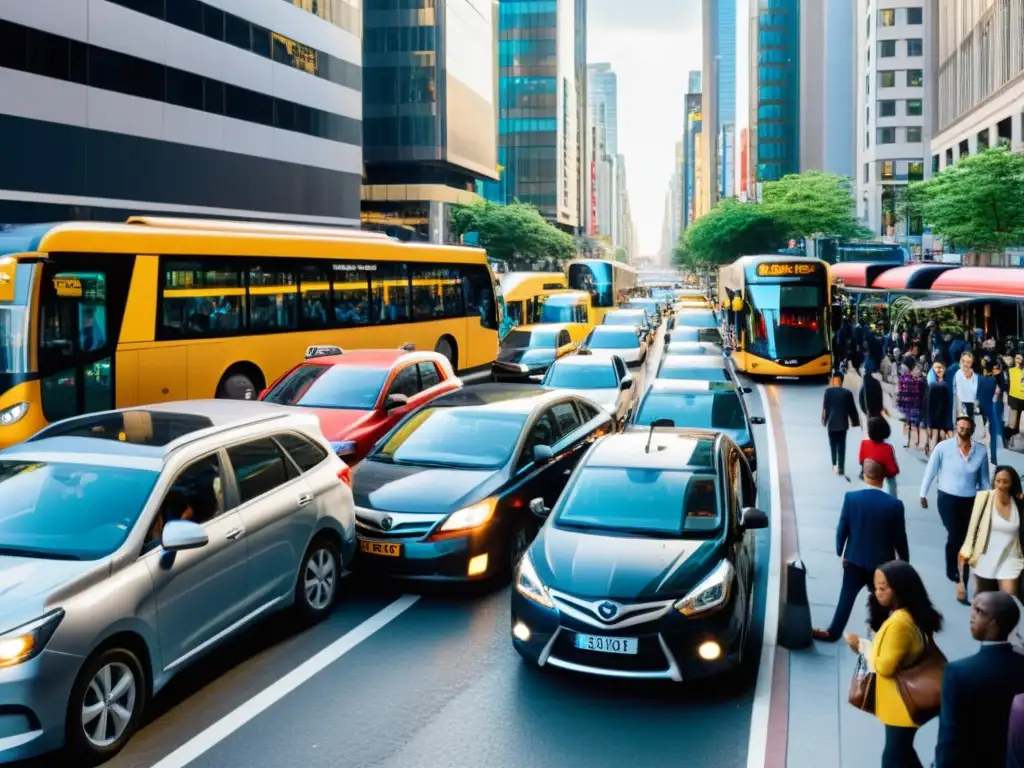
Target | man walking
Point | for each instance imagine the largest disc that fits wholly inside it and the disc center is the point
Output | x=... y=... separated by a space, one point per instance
x=978 y=691
x=872 y=530
x=960 y=467
x=838 y=414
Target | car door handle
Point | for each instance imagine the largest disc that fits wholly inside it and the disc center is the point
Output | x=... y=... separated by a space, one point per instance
x=234 y=534
x=305 y=499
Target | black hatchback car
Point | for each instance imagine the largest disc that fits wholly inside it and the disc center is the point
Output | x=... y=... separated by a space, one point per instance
x=645 y=567
x=445 y=495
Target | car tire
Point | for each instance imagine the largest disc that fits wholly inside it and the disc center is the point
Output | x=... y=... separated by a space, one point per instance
x=111 y=690
x=238 y=386
x=316 y=589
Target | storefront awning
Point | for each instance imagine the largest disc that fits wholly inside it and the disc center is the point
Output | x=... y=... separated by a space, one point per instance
x=858 y=274
x=912 y=277
x=945 y=301
x=982 y=282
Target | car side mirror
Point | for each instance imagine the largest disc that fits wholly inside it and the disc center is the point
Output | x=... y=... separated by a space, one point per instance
x=752 y=519
x=757 y=420
x=626 y=383
x=179 y=535
x=542 y=454
x=746 y=390
x=539 y=510
x=395 y=401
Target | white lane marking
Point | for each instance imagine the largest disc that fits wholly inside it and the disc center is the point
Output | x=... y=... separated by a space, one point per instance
x=757 y=749
x=273 y=693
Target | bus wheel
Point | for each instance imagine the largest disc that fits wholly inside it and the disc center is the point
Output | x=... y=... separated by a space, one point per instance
x=239 y=384
x=446 y=346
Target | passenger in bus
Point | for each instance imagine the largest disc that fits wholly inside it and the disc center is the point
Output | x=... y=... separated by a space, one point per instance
x=314 y=312
x=91 y=335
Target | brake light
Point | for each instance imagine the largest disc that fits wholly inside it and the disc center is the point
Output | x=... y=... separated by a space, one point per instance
x=345 y=475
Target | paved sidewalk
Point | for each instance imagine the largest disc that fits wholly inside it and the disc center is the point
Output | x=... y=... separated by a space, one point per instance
x=824 y=730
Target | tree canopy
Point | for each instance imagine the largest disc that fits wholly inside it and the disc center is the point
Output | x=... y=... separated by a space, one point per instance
x=978 y=203
x=730 y=230
x=510 y=231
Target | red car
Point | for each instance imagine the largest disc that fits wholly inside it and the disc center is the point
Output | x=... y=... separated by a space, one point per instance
x=360 y=395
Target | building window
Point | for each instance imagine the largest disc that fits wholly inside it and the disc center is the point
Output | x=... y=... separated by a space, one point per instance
x=867 y=172
x=867 y=85
x=915 y=16
x=888 y=172
x=867 y=140
x=949 y=157
x=914 y=135
x=886 y=135
x=886 y=49
x=915 y=107
x=915 y=78
x=887 y=18
x=915 y=46
x=887 y=78
x=964 y=148
x=915 y=171
x=867 y=114
x=983 y=140
x=935 y=163
x=887 y=108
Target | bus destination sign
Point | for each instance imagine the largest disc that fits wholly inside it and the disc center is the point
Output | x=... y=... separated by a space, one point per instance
x=787 y=270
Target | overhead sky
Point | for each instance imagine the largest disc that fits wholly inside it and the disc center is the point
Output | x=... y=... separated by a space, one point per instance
x=652 y=45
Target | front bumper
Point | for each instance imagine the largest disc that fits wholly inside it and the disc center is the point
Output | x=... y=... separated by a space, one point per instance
x=33 y=704
x=443 y=560
x=667 y=646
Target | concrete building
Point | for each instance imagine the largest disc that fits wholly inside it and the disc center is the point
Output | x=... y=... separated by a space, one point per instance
x=692 y=110
x=893 y=101
x=538 y=130
x=979 y=69
x=116 y=108
x=675 y=191
x=603 y=88
x=719 y=98
x=602 y=112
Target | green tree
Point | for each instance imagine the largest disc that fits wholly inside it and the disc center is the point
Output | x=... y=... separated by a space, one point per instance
x=813 y=203
x=510 y=231
x=622 y=255
x=978 y=203
x=730 y=230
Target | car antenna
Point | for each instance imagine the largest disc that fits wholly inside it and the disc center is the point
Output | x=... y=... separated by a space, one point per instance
x=666 y=423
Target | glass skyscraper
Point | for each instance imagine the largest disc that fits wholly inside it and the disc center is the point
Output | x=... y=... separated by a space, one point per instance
x=778 y=89
x=725 y=92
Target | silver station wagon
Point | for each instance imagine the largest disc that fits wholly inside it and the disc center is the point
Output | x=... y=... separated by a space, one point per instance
x=134 y=541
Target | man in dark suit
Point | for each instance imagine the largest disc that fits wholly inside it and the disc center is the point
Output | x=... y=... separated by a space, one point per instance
x=872 y=530
x=838 y=413
x=978 y=691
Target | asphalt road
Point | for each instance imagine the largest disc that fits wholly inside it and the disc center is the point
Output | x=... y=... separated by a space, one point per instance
x=436 y=685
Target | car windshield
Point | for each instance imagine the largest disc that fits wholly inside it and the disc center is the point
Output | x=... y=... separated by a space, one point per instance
x=676 y=369
x=685 y=348
x=697 y=318
x=350 y=387
x=474 y=437
x=689 y=410
x=643 y=502
x=69 y=511
x=524 y=339
x=581 y=376
x=612 y=338
x=625 y=318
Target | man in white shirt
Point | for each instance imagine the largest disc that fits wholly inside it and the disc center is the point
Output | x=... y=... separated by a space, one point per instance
x=965 y=388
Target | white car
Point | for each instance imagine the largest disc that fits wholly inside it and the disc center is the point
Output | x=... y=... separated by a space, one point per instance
x=631 y=318
x=609 y=340
x=604 y=380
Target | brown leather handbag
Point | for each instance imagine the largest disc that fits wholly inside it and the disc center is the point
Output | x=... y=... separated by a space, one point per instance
x=862 y=687
x=920 y=685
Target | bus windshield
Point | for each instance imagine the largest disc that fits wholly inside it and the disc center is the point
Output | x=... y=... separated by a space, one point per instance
x=788 y=321
x=595 y=279
x=557 y=313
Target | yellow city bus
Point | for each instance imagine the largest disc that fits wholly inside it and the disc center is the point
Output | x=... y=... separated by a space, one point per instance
x=785 y=320
x=570 y=307
x=521 y=291
x=96 y=316
x=609 y=283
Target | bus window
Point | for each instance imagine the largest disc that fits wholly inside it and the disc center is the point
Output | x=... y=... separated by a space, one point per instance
x=351 y=295
x=595 y=279
x=202 y=299
x=436 y=293
x=479 y=291
x=273 y=300
x=315 y=295
x=390 y=286
x=788 y=321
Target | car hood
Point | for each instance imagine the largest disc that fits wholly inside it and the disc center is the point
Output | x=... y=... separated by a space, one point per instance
x=526 y=356
x=29 y=585
x=338 y=423
x=606 y=398
x=623 y=568
x=422 y=490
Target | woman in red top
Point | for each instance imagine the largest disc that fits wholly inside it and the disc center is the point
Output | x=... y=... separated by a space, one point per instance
x=877 y=449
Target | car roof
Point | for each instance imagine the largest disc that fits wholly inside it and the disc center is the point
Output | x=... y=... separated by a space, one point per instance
x=507 y=398
x=580 y=361
x=531 y=327
x=624 y=311
x=150 y=433
x=693 y=449
x=691 y=386
x=704 y=362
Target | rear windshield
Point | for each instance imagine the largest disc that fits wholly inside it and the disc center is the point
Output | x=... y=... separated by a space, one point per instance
x=690 y=371
x=524 y=339
x=703 y=410
x=698 y=318
x=69 y=511
x=612 y=338
x=625 y=318
x=581 y=376
x=330 y=386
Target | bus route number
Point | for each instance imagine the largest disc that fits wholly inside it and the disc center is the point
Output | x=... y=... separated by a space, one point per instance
x=786 y=270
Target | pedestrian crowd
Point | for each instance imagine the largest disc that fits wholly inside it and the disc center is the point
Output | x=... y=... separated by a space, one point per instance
x=943 y=387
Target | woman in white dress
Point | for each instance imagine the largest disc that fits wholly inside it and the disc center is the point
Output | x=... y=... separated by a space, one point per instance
x=993 y=546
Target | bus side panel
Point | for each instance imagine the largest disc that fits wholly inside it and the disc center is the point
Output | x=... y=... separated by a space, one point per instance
x=140 y=311
x=163 y=374
x=759 y=366
x=126 y=378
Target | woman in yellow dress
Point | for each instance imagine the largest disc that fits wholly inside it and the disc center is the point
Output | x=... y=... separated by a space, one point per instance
x=903 y=618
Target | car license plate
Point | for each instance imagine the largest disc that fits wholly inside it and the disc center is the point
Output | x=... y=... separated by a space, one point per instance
x=623 y=645
x=385 y=548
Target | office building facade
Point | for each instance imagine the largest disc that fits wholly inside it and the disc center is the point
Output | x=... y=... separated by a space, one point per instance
x=602 y=116
x=893 y=102
x=719 y=98
x=775 y=88
x=675 y=188
x=979 y=69
x=603 y=89
x=539 y=125
x=226 y=108
x=691 y=110
x=429 y=112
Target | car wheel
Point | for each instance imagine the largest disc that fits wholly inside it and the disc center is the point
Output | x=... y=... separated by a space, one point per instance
x=105 y=706
x=317 y=586
x=238 y=386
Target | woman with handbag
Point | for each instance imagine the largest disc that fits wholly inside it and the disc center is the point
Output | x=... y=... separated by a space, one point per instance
x=994 y=546
x=903 y=688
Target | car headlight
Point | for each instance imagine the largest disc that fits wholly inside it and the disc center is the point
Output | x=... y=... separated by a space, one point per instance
x=27 y=641
x=529 y=585
x=13 y=414
x=470 y=517
x=712 y=593
x=344 y=447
